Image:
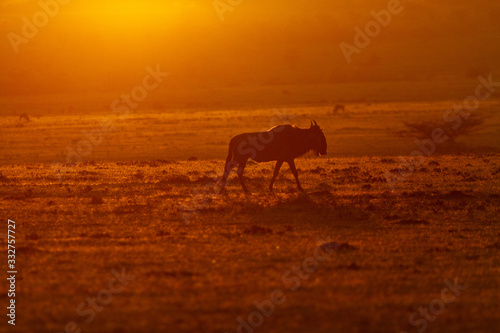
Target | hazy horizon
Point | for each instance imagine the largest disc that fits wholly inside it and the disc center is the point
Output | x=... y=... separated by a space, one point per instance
x=94 y=47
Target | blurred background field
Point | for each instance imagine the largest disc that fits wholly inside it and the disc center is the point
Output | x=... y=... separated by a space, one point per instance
x=362 y=129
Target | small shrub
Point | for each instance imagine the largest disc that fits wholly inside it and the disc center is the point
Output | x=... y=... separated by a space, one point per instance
x=139 y=174
x=161 y=233
x=424 y=129
x=412 y=222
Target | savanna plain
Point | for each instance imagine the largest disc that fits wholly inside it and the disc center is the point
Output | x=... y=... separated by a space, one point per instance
x=135 y=238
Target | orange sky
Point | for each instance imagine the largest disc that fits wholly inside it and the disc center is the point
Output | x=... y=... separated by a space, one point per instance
x=105 y=45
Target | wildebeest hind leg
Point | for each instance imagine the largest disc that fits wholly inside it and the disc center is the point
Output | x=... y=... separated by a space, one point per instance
x=230 y=165
x=241 y=168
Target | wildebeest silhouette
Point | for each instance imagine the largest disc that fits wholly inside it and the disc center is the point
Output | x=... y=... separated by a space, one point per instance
x=282 y=143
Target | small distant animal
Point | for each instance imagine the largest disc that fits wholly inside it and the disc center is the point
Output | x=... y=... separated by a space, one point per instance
x=282 y=143
x=339 y=107
x=24 y=117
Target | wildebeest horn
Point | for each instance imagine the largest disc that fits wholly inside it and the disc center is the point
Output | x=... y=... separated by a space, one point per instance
x=315 y=123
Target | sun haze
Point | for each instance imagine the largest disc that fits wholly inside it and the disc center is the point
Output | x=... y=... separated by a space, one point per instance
x=97 y=46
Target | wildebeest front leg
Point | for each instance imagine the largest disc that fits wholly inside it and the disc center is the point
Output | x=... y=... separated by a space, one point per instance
x=275 y=174
x=240 y=170
x=295 y=174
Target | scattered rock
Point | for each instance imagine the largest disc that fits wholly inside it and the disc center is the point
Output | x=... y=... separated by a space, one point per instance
x=457 y=194
x=139 y=174
x=32 y=236
x=101 y=235
x=3 y=178
x=96 y=200
x=330 y=246
x=472 y=257
x=346 y=247
x=412 y=222
x=28 y=193
x=162 y=233
x=338 y=246
x=494 y=246
x=437 y=249
x=352 y=266
x=371 y=208
x=257 y=230
x=28 y=249
x=173 y=274
x=87 y=173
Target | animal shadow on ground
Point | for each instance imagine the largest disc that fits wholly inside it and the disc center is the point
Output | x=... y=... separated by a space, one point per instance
x=315 y=208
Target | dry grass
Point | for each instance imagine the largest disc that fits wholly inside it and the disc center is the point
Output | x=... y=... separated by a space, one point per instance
x=199 y=275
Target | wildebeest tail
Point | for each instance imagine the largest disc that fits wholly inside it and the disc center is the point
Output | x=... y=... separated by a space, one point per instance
x=229 y=154
x=229 y=157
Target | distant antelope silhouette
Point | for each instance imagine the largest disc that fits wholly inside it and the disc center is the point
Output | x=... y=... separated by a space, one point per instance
x=339 y=107
x=24 y=116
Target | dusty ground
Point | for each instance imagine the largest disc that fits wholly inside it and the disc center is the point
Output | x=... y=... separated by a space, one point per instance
x=201 y=260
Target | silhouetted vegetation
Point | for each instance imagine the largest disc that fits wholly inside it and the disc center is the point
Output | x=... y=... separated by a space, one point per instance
x=424 y=129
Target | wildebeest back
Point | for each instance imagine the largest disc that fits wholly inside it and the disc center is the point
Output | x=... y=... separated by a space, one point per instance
x=283 y=142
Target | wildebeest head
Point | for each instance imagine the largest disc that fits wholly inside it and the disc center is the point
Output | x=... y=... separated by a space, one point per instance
x=319 y=140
